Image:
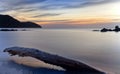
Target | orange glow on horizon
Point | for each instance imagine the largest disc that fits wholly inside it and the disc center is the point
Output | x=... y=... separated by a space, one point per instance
x=80 y=21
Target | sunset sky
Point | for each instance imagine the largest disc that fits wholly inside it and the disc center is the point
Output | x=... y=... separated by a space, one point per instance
x=64 y=13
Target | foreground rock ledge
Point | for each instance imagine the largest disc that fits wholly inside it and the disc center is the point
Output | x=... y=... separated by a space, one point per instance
x=68 y=64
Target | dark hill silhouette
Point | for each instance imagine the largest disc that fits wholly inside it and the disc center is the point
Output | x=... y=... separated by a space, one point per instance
x=7 y=21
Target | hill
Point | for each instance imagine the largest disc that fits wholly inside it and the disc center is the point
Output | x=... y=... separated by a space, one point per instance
x=7 y=21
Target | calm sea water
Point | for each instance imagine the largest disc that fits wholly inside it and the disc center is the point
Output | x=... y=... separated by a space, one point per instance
x=100 y=50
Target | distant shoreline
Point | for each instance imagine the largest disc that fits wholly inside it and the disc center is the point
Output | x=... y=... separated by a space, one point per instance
x=12 y=29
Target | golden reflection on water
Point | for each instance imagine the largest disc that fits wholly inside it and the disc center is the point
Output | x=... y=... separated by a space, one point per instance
x=32 y=62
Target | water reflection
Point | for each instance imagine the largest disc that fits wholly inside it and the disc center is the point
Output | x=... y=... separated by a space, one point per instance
x=10 y=67
x=101 y=50
x=32 y=62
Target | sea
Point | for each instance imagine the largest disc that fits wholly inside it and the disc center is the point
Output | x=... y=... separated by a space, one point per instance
x=96 y=49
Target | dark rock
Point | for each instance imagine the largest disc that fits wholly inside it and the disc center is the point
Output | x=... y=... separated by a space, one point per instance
x=117 y=29
x=68 y=64
x=110 y=30
x=96 y=30
x=104 y=30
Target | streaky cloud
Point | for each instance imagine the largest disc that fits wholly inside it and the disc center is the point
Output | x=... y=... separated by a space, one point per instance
x=68 y=4
x=47 y=15
x=35 y=5
x=8 y=5
x=51 y=20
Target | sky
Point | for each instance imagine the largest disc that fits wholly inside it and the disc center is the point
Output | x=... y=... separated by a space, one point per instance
x=64 y=13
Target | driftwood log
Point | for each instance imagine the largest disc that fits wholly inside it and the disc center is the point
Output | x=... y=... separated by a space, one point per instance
x=68 y=64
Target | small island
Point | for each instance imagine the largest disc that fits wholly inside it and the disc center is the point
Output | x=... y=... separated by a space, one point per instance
x=116 y=29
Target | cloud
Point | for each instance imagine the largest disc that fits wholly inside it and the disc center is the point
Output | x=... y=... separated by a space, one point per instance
x=65 y=4
x=47 y=15
x=35 y=5
x=21 y=2
x=51 y=20
x=40 y=6
x=9 y=5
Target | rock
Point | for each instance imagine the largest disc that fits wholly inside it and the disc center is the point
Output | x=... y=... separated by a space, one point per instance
x=104 y=30
x=117 y=29
x=68 y=64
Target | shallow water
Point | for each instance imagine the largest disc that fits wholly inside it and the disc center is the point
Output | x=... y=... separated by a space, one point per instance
x=100 y=50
